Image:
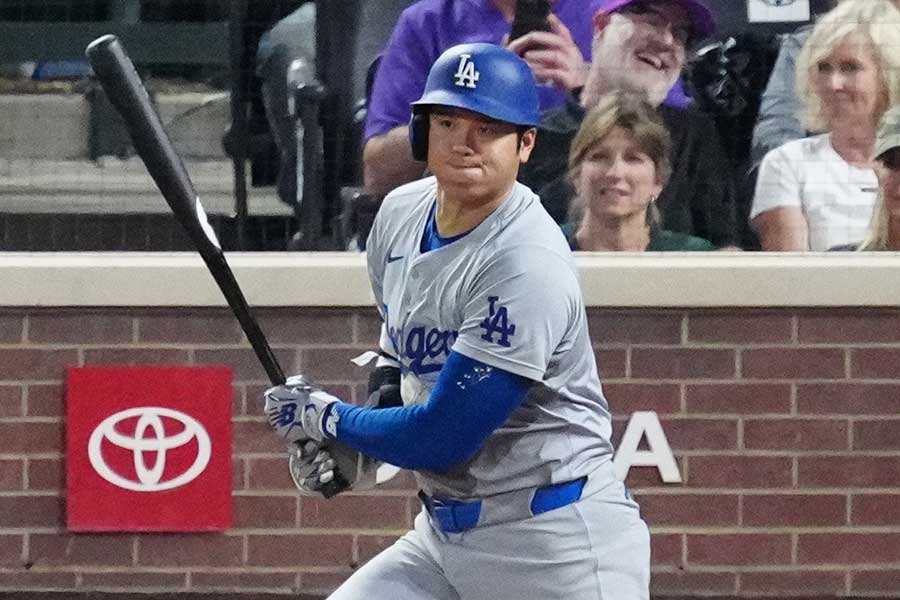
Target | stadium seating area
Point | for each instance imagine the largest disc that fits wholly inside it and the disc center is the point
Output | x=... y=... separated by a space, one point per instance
x=69 y=180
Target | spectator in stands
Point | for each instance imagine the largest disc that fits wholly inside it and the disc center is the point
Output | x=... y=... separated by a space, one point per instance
x=618 y=165
x=779 y=121
x=884 y=230
x=640 y=46
x=558 y=59
x=818 y=192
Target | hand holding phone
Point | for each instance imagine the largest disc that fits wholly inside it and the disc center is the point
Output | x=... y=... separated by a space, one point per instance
x=531 y=15
x=552 y=54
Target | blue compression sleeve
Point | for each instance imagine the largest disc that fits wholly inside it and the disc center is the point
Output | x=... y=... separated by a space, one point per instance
x=469 y=401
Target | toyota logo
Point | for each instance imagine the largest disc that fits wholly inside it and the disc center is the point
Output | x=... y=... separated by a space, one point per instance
x=149 y=479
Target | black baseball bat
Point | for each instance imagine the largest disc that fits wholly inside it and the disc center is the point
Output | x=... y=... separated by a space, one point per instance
x=126 y=92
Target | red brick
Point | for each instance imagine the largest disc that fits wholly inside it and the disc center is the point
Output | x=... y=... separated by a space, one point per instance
x=189 y=327
x=30 y=438
x=309 y=327
x=243 y=361
x=10 y=329
x=256 y=437
x=79 y=328
x=856 y=399
x=700 y=434
x=38 y=580
x=368 y=546
x=666 y=549
x=11 y=550
x=791 y=433
x=740 y=328
x=739 y=472
x=36 y=365
x=46 y=474
x=299 y=550
x=332 y=364
x=45 y=400
x=612 y=364
x=81 y=549
x=875 y=363
x=739 y=398
x=11 y=401
x=186 y=550
x=682 y=363
x=278 y=512
x=130 y=580
x=625 y=398
x=870 y=326
x=667 y=583
x=237 y=401
x=367 y=329
x=792 y=363
x=875 y=509
x=688 y=510
x=795 y=510
x=876 y=435
x=875 y=581
x=323 y=582
x=231 y=581
x=357 y=512
x=848 y=548
x=31 y=511
x=269 y=474
x=806 y=583
x=237 y=474
x=848 y=471
x=635 y=327
x=12 y=475
x=136 y=357
x=742 y=549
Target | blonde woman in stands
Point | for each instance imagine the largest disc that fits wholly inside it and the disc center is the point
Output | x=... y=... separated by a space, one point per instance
x=618 y=165
x=819 y=192
x=884 y=232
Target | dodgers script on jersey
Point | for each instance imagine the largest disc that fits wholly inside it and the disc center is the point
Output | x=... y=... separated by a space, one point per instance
x=505 y=294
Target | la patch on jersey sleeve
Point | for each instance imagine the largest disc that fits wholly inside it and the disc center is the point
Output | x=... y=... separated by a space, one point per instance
x=521 y=311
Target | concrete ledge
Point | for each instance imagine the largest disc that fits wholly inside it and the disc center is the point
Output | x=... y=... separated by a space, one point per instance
x=113 y=186
x=56 y=127
x=340 y=279
x=46 y=127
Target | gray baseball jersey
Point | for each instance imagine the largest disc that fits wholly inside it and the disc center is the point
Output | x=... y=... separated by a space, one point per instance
x=506 y=294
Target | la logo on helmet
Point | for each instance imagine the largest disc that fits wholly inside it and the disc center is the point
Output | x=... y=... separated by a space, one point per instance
x=466 y=75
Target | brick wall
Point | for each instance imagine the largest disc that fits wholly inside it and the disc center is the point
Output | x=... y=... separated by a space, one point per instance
x=785 y=424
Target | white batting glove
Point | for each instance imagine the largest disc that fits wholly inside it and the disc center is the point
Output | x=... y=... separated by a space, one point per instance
x=300 y=411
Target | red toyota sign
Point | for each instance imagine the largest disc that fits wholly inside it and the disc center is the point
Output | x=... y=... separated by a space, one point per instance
x=148 y=448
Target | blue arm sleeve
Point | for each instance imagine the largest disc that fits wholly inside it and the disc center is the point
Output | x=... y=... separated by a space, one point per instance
x=469 y=401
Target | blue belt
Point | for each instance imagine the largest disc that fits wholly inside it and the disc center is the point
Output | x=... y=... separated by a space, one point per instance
x=454 y=516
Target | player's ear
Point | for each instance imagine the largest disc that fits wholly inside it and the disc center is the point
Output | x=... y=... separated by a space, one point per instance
x=601 y=20
x=526 y=144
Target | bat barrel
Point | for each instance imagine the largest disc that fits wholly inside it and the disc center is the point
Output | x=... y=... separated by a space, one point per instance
x=127 y=94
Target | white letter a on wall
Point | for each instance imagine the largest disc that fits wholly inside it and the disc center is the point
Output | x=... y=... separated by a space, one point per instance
x=646 y=423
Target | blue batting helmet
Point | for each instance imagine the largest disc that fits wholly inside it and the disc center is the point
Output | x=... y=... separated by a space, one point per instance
x=484 y=78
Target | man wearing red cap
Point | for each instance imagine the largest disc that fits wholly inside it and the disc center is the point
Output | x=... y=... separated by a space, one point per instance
x=641 y=46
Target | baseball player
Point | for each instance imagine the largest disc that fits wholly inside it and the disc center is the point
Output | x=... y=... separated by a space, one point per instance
x=503 y=418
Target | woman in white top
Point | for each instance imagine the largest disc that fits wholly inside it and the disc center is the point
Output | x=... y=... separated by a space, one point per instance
x=818 y=192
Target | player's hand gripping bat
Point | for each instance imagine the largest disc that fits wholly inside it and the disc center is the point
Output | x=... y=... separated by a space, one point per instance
x=125 y=91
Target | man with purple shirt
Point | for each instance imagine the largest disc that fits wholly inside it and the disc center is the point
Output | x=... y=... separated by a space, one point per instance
x=558 y=59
